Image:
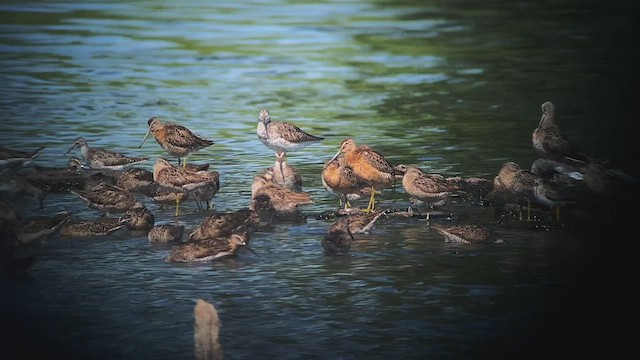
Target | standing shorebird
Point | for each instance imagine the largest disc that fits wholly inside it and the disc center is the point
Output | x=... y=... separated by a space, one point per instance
x=339 y=179
x=550 y=142
x=99 y=158
x=552 y=196
x=367 y=164
x=432 y=189
x=281 y=136
x=175 y=139
x=206 y=193
x=513 y=185
x=285 y=174
x=180 y=178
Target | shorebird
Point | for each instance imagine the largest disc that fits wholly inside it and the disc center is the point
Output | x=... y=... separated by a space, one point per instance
x=338 y=240
x=138 y=217
x=432 y=189
x=175 y=139
x=60 y=179
x=466 y=234
x=368 y=164
x=165 y=233
x=99 y=158
x=223 y=224
x=206 y=193
x=134 y=179
x=281 y=136
x=180 y=178
x=90 y=228
x=285 y=174
x=210 y=249
x=164 y=195
x=39 y=228
x=339 y=179
x=550 y=142
x=13 y=158
x=362 y=222
x=16 y=187
x=513 y=185
x=108 y=198
x=552 y=196
x=284 y=201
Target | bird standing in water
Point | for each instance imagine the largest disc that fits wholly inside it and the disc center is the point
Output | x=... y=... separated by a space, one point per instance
x=175 y=139
x=368 y=164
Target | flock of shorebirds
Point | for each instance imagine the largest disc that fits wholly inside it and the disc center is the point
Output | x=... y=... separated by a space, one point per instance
x=112 y=183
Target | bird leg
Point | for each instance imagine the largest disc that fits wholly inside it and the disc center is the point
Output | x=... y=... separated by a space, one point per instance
x=372 y=201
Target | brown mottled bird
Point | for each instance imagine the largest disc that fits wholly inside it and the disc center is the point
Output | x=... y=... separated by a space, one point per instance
x=108 y=198
x=339 y=179
x=338 y=239
x=175 y=139
x=223 y=224
x=432 y=189
x=210 y=249
x=285 y=174
x=466 y=234
x=89 y=228
x=368 y=164
x=180 y=178
x=284 y=201
x=165 y=233
x=550 y=142
x=513 y=185
x=99 y=158
x=281 y=136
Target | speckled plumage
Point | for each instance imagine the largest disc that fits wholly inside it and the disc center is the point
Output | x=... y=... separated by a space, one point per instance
x=550 y=142
x=134 y=179
x=39 y=228
x=368 y=165
x=339 y=179
x=338 y=239
x=281 y=136
x=99 y=158
x=138 y=217
x=177 y=140
x=466 y=234
x=181 y=178
x=210 y=249
x=284 y=201
x=285 y=174
x=106 y=197
x=432 y=189
x=362 y=222
x=165 y=233
x=223 y=224
x=90 y=228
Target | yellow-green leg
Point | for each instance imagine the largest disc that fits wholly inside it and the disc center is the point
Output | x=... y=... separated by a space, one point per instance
x=372 y=200
x=177 y=206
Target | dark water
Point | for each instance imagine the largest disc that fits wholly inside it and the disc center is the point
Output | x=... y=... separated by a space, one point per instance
x=453 y=87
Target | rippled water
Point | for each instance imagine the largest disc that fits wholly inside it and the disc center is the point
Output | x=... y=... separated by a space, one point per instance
x=454 y=88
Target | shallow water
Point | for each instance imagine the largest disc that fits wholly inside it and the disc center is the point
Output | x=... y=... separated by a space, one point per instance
x=454 y=88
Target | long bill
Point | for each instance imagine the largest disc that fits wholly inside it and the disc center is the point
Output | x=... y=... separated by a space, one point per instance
x=542 y=120
x=144 y=139
x=252 y=251
x=332 y=159
x=68 y=151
